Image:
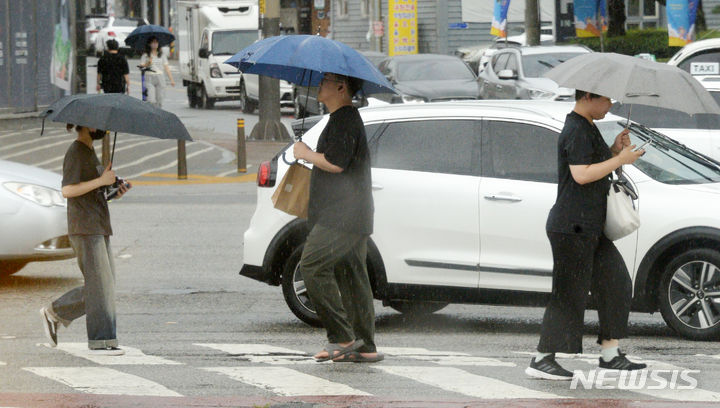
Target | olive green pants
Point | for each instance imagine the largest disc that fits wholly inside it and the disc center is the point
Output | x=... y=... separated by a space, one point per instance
x=333 y=265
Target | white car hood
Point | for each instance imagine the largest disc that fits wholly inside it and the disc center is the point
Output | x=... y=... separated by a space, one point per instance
x=713 y=188
x=11 y=171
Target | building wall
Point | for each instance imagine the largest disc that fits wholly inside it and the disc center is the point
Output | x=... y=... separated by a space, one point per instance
x=353 y=28
x=712 y=20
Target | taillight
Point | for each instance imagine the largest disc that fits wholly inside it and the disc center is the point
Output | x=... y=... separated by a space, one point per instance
x=263 y=175
x=111 y=33
x=93 y=31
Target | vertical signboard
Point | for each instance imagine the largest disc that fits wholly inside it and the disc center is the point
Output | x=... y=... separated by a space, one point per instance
x=499 y=21
x=681 y=21
x=590 y=18
x=62 y=54
x=402 y=27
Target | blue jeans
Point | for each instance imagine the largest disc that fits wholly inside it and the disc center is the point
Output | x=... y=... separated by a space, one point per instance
x=96 y=298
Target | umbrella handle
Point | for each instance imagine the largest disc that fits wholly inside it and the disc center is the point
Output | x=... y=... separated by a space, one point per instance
x=289 y=163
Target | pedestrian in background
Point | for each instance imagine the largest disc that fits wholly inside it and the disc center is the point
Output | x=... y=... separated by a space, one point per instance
x=113 y=74
x=83 y=184
x=157 y=61
x=584 y=259
x=340 y=218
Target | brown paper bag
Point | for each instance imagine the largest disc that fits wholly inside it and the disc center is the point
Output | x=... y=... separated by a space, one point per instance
x=293 y=192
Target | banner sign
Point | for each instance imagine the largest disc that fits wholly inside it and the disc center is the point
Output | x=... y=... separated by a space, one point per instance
x=402 y=27
x=590 y=17
x=499 y=21
x=681 y=21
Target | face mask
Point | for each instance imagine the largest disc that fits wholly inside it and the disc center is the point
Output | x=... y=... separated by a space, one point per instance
x=97 y=135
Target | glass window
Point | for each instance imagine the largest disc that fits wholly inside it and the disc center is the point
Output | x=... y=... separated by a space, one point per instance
x=341 y=8
x=711 y=56
x=519 y=151
x=662 y=118
x=664 y=160
x=536 y=65
x=230 y=42
x=364 y=8
x=431 y=69
x=438 y=146
x=633 y=8
x=512 y=63
x=649 y=8
x=500 y=62
x=204 y=43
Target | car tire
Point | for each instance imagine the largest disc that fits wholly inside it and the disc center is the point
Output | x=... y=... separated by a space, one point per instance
x=8 y=268
x=246 y=104
x=688 y=293
x=206 y=102
x=416 y=307
x=192 y=99
x=294 y=291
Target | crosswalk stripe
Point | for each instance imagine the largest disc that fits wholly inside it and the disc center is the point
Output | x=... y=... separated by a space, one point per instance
x=444 y=357
x=132 y=356
x=18 y=132
x=463 y=382
x=171 y=164
x=263 y=353
x=285 y=381
x=42 y=140
x=34 y=149
x=2 y=363
x=117 y=149
x=103 y=380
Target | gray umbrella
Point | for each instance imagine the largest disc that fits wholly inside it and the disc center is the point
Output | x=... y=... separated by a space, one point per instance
x=635 y=80
x=117 y=113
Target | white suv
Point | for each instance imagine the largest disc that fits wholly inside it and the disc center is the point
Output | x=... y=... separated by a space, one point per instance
x=462 y=192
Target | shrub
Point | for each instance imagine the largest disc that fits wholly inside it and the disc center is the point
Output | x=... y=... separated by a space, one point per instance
x=652 y=41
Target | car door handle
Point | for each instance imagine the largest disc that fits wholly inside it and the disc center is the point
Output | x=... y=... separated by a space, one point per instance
x=376 y=187
x=502 y=197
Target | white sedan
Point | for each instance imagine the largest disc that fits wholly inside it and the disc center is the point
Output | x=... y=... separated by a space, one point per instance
x=33 y=217
x=462 y=192
x=117 y=28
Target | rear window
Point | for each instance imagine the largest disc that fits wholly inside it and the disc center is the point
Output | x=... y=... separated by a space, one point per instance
x=434 y=70
x=126 y=22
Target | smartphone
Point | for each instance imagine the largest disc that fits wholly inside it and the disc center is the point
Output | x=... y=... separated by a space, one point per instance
x=649 y=141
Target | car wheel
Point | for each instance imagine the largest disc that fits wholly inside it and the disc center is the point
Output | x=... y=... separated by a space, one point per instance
x=7 y=268
x=246 y=104
x=192 y=99
x=299 y=111
x=416 y=307
x=689 y=294
x=206 y=102
x=293 y=287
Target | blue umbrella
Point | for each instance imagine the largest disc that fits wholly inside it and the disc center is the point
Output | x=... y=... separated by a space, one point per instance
x=139 y=36
x=303 y=59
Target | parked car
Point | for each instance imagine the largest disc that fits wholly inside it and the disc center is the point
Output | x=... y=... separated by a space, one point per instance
x=517 y=73
x=423 y=78
x=33 y=217
x=479 y=59
x=457 y=223
x=117 y=28
x=700 y=132
x=305 y=100
x=93 y=24
x=699 y=58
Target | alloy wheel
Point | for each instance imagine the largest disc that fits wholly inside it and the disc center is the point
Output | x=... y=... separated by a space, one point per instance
x=694 y=294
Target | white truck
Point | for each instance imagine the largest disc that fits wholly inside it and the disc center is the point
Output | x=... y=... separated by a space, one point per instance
x=210 y=32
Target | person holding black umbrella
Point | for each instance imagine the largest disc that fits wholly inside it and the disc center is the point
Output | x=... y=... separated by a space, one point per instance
x=340 y=218
x=154 y=59
x=84 y=184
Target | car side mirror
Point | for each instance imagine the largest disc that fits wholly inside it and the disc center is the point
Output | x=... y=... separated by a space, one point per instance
x=203 y=53
x=507 y=74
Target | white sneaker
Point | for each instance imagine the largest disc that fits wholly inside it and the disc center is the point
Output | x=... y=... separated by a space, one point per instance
x=108 y=351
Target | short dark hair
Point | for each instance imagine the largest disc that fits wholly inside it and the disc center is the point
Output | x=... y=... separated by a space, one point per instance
x=112 y=44
x=353 y=84
x=581 y=94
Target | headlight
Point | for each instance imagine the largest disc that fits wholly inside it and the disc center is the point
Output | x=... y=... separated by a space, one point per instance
x=539 y=94
x=215 y=71
x=47 y=197
x=413 y=99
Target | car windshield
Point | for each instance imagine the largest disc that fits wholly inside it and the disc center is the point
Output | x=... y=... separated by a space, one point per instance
x=665 y=160
x=662 y=118
x=433 y=70
x=230 y=42
x=536 y=65
x=125 y=22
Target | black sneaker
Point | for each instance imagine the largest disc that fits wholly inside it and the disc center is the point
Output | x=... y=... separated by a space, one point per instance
x=50 y=326
x=621 y=363
x=548 y=369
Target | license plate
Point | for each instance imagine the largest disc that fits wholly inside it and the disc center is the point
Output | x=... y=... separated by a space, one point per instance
x=705 y=68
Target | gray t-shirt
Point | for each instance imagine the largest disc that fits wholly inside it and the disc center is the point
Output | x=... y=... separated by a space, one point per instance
x=88 y=214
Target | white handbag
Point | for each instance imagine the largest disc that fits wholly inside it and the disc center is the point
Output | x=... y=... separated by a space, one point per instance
x=622 y=213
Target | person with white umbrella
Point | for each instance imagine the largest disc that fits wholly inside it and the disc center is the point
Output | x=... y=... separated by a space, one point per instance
x=584 y=259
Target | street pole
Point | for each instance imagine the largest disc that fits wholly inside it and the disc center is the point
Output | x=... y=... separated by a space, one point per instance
x=241 y=149
x=532 y=22
x=77 y=39
x=376 y=16
x=270 y=127
x=143 y=9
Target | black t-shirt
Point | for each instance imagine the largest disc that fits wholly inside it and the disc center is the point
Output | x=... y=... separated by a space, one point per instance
x=112 y=68
x=343 y=200
x=88 y=214
x=579 y=208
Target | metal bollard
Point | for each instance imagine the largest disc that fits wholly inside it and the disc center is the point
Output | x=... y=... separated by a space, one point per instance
x=182 y=161
x=241 y=153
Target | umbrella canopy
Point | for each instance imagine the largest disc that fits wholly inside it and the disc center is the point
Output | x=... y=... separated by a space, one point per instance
x=139 y=36
x=635 y=80
x=117 y=113
x=303 y=59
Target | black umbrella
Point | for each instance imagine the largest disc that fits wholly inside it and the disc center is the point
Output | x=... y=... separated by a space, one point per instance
x=140 y=36
x=117 y=113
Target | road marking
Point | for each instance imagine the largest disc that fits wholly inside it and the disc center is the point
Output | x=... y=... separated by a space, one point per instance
x=227 y=173
x=117 y=149
x=102 y=380
x=285 y=381
x=191 y=179
x=2 y=363
x=263 y=353
x=444 y=357
x=132 y=356
x=462 y=382
x=18 y=132
x=35 y=140
x=35 y=149
x=171 y=164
